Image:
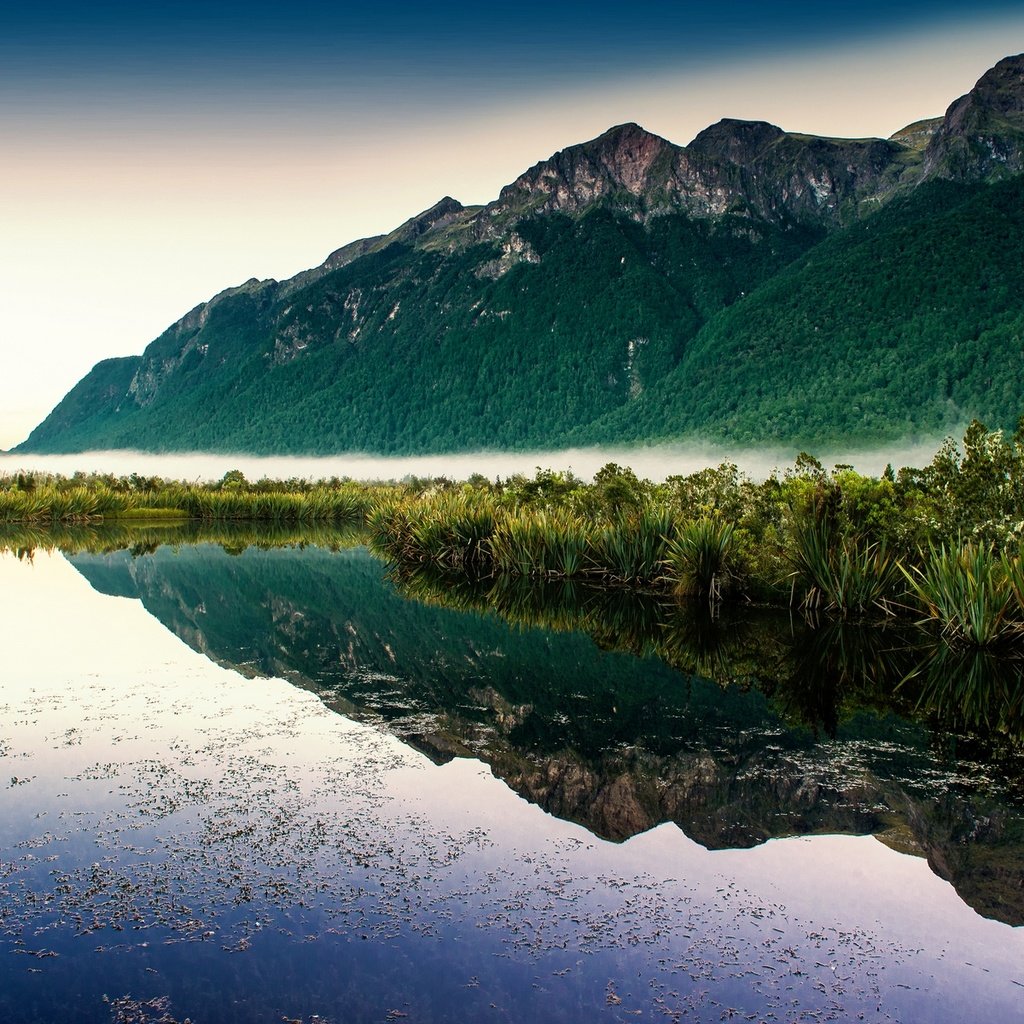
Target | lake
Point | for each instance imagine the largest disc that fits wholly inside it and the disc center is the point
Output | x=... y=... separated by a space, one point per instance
x=250 y=782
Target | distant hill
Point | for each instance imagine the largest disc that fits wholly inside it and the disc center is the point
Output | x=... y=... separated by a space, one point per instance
x=754 y=285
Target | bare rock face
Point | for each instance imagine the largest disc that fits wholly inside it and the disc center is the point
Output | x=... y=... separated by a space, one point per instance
x=440 y=215
x=750 y=168
x=982 y=134
x=183 y=342
x=625 y=159
x=754 y=167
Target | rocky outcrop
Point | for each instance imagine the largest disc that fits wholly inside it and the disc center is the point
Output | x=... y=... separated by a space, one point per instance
x=624 y=162
x=745 y=167
x=982 y=135
x=443 y=213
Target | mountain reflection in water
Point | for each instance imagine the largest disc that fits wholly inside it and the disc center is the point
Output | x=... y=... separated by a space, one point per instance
x=620 y=711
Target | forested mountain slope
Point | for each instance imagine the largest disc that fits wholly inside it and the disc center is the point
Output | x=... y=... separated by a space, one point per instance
x=753 y=285
x=909 y=322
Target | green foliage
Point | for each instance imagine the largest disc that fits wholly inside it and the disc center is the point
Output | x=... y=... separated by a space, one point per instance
x=855 y=546
x=965 y=590
x=703 y=556
x=547 y=544
x=978 y=491
x=847 y=575
x=848 y=544
x=906 y=323
x=81 y=498
x=410 y=350
x=632 y=549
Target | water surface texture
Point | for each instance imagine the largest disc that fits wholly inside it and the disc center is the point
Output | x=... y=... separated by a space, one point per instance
x=253 y=784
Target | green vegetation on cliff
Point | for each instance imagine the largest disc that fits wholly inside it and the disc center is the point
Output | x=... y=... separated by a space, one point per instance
x=407 y=350
x=908 y=322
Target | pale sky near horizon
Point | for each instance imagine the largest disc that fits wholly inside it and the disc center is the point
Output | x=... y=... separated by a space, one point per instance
x=133 y=191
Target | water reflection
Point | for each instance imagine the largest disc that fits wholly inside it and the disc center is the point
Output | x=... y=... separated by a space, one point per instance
x=818 y=672
x=614 y=710
x=193 y=844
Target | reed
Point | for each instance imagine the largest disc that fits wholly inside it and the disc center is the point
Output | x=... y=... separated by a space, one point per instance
x=633 y=550
x=450 y=530
x=64 y=501
x=701 y=556
x=55 y=504
x=547 y=544
x=965 y=590
x=848 y=575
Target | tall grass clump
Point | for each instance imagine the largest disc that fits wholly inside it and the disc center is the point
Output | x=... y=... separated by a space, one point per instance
x=450 y=530
x=847 y=575
x=701 y=556
x=319 y=504
x=547 y=544
x=633 y=549
x=61 y=505
x=969 y=592
x=1012 y=568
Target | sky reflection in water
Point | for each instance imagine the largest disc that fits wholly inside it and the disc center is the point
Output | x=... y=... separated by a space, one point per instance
x=221 y=848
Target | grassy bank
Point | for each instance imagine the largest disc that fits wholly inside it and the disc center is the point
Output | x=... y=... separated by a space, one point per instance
x=941 y=544
x=43 y=498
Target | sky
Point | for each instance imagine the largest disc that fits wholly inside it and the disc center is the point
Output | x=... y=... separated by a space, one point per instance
x=155 y=154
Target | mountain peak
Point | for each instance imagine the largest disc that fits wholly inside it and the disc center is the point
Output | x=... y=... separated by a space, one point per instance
x=622 y=159
x=626 y=134
x=1001 y=88
x=735 y=141
x=442 y=213
x=982 y=134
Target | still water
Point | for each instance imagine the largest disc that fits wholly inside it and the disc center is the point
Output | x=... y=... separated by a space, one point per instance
x=257 y=783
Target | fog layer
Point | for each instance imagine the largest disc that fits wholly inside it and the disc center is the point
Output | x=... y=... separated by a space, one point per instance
x=655 y=463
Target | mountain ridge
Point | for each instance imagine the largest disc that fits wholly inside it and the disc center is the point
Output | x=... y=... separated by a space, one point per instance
x=583 y=284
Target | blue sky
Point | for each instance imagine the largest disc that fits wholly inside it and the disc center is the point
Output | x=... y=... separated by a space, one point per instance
x=580 y=33
x=156 y=153
x=246 y=51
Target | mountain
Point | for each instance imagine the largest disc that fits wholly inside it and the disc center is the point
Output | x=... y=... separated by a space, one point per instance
x=755 y=285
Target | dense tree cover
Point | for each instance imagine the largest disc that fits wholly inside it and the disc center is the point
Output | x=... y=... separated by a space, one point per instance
x=413 y=350
x=909 y=322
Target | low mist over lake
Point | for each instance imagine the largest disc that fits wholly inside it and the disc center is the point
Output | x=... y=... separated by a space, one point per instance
x=654 y=463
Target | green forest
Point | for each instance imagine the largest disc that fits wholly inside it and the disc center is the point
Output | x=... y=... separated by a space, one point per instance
x=435 y=357
x=905 y=323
